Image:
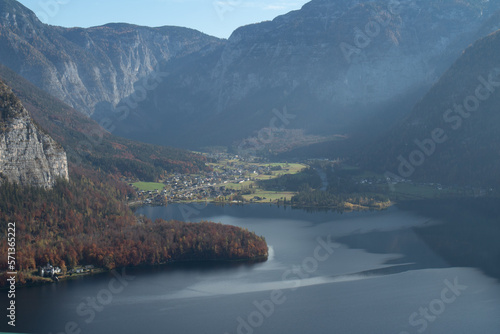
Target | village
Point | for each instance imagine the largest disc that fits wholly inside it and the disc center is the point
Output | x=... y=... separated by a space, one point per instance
x=234 y=179
x=231 y=177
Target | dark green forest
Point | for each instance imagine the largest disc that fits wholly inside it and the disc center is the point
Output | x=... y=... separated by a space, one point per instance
x=342 y=191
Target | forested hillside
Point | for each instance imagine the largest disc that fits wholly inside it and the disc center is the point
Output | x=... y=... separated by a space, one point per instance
x=87 y=221
x=452 y=135
x=88 y=144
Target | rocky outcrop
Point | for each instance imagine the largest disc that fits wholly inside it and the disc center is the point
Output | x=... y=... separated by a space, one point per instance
x=28 y=155
x=88 y=67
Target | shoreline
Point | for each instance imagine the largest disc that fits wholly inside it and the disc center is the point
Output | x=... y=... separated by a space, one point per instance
x=39 y=281
x=346 y=207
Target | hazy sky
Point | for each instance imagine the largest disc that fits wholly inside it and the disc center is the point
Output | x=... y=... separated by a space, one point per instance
x=214 y=17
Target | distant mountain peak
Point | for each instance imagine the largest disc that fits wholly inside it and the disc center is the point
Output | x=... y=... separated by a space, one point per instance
x=338 y=66
x=93 y=66
x=11 y=11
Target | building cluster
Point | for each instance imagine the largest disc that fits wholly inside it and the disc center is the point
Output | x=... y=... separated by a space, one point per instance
x=49 y=271
x=214 y=185
x=81 y=270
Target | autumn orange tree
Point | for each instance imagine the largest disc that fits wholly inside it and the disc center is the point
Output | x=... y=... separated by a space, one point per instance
x=87 y=221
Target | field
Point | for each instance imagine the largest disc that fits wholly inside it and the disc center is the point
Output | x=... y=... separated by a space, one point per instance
x=269 y=196
x=412 y=191
x=264 y=195
x=148 y=186
x=286 y=169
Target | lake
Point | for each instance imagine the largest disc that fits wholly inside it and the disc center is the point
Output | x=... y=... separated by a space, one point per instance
x=410 y=269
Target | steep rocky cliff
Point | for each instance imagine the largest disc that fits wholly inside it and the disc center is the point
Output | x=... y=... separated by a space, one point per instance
x=337 y=66
x=350 y=67
x=88 y=145
x=28 y=156
x=350 y=52
x=85 y=67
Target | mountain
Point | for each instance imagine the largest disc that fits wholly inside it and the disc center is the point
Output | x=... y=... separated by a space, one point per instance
x=87 y=67
x=84 y=218
x=451 y=136
x=28 y=155
x=344 y=68
x=333 y=67
x=90 y=146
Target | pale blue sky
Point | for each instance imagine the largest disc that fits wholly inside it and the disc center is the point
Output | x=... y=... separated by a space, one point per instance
x=214 y=17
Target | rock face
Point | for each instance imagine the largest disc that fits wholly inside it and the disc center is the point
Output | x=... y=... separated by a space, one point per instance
x=350 y=52
x=337 y=66
x=28 y=156
x=85 y=67
x=348 y=56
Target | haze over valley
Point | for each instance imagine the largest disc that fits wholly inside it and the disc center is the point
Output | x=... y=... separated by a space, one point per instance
x=321 y=171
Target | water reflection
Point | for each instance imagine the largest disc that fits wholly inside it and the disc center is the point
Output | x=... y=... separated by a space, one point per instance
x=385 y=265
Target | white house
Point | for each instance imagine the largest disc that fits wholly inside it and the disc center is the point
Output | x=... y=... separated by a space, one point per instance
x=49 y=270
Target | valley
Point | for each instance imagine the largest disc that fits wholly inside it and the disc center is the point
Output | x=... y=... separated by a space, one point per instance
x=331 y=168
x=231 y=179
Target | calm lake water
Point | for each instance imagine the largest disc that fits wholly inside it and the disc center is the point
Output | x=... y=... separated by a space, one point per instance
x=409 y=269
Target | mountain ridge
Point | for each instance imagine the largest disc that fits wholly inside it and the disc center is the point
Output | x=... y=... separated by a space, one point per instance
x=91 y=146
x=349 y=68
x=297 y=62
x=86 y=66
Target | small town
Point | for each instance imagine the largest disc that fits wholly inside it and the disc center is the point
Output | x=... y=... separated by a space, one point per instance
x=231 y=177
